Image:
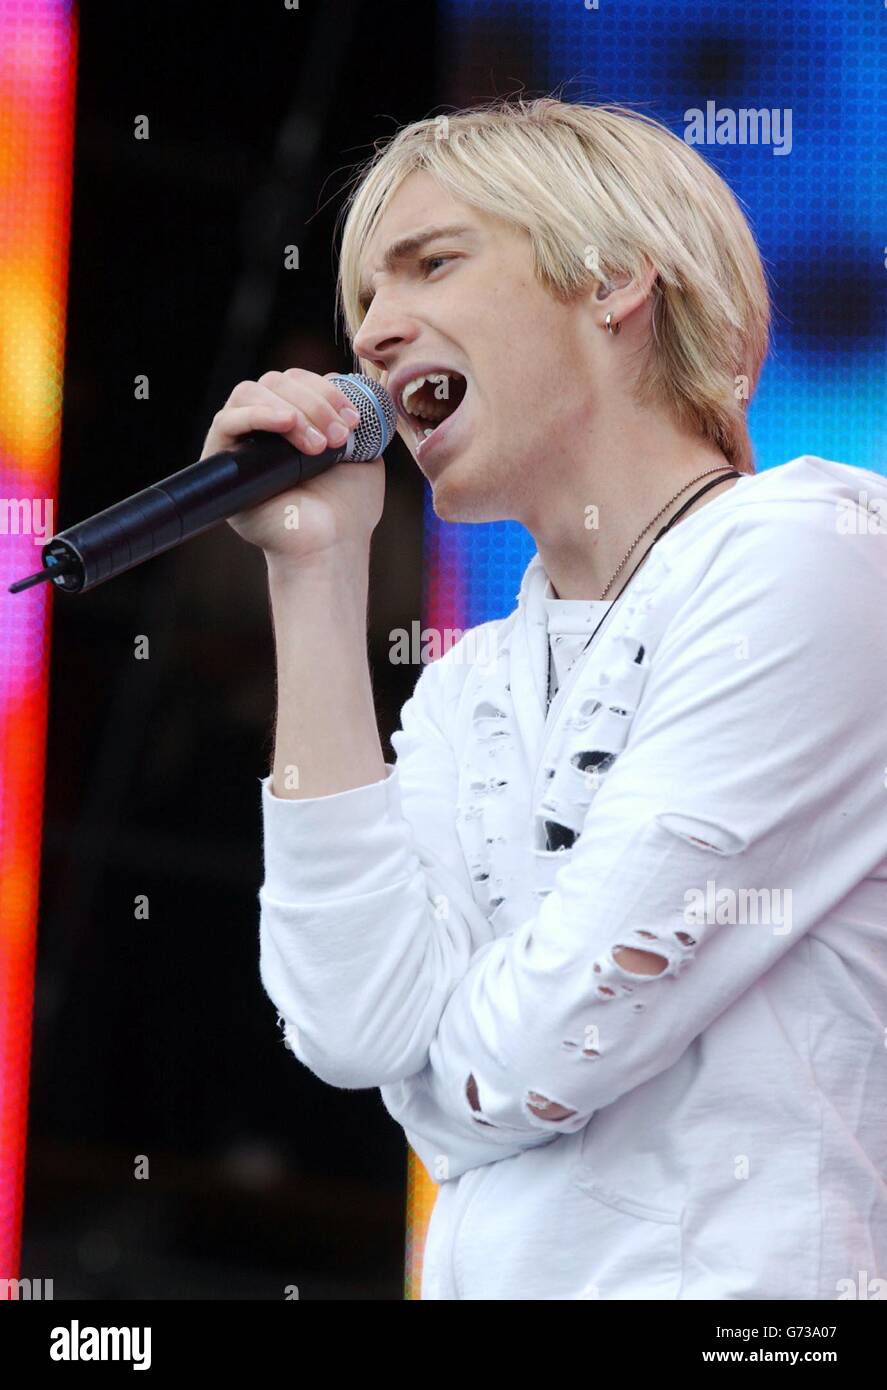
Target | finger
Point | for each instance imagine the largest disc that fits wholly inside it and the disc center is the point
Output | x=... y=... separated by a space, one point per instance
x=296 y=392
x=340 y=400
x=320 y=399
x=273 y=415
x=296 y=377
x=253 y=392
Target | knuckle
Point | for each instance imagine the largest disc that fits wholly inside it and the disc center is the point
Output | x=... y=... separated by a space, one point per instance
x=241 y=392
x=336 y=400
x=330 y=381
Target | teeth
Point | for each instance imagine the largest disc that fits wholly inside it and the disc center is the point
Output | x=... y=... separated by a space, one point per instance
x=435 y=409
x=410 y=389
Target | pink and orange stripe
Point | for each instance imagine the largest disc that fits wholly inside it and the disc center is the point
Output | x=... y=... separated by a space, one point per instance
x=38 y=54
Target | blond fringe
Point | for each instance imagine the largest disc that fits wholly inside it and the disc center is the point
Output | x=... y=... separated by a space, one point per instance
x=580 y=178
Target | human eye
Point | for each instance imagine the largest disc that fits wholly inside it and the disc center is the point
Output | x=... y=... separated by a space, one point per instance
x=427 y=261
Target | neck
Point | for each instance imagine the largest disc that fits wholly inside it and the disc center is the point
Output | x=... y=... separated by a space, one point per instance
x=584 y=527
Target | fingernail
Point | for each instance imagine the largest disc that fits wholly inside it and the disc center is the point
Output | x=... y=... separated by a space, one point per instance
x=314 y=436
x=350 y=415
x=337 y=434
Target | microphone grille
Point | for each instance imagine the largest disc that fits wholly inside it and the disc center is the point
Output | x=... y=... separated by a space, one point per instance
x=378 y=417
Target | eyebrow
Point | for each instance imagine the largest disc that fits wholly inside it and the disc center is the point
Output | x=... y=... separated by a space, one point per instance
x=408 y=246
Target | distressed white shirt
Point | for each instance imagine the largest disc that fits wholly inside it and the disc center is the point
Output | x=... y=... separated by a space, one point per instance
x=709 y=784
x=571 y=621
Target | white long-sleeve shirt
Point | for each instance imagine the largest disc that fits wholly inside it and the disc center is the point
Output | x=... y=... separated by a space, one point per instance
x=718 y=759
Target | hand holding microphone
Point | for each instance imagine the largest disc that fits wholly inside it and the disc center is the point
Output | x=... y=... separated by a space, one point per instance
x=257 y=461
x=336 y=507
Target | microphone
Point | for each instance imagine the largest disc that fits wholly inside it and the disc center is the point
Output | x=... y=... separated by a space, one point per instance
x=260 y=465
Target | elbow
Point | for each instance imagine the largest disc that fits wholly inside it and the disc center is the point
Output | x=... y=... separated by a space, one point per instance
x=345 y=1074
x=354 y=1070
x=356 y=1036
x=352 y=1063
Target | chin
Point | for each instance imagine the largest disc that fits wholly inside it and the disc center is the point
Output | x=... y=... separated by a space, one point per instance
x=447 y=506
x=452 y=502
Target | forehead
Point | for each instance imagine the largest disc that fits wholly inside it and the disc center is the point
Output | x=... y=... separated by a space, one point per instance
x=418 y=203
x=420 y=196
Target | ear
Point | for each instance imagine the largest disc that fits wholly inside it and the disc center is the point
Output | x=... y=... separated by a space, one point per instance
x=625 y=294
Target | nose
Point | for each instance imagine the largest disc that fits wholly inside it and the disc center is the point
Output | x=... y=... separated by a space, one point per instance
x=384 y=331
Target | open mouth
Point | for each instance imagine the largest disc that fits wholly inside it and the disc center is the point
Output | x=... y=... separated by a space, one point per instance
x=428 y=400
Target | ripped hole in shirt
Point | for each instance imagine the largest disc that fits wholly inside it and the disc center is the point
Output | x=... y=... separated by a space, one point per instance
x=474 y=1101
x=572 y=1046
x=707 y=835
x=639 y=962
x=545 y=1109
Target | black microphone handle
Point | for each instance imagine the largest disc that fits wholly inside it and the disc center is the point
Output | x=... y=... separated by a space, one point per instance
x=259 y=466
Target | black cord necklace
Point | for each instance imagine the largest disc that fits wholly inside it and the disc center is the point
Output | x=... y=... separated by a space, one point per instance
x=714 y=482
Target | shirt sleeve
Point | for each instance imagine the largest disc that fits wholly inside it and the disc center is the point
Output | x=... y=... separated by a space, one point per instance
x=748 y=800
x=367 y=919
x=367 y=922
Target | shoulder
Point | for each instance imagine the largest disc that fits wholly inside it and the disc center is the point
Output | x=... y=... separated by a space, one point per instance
x=790 y=577
x=810 y=527
x=815 y=493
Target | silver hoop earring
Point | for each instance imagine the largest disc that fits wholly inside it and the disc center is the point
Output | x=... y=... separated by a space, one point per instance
x=611 y=327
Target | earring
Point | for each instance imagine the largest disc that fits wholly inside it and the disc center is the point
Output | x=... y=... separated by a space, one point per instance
x=611 y=327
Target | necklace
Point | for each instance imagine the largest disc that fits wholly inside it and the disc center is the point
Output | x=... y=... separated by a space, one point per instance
x=715 y=482
x=661 y=512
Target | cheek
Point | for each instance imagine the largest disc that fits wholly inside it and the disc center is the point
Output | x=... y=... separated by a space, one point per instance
x=515 y=344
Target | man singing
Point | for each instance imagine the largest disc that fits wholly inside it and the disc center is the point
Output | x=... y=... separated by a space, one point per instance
x=611 y=934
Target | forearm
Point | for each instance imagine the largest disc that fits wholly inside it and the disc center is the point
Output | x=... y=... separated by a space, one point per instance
x=326 y=736
x=368 y=918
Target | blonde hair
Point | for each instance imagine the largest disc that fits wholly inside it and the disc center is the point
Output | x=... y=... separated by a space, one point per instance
x=601 y=190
